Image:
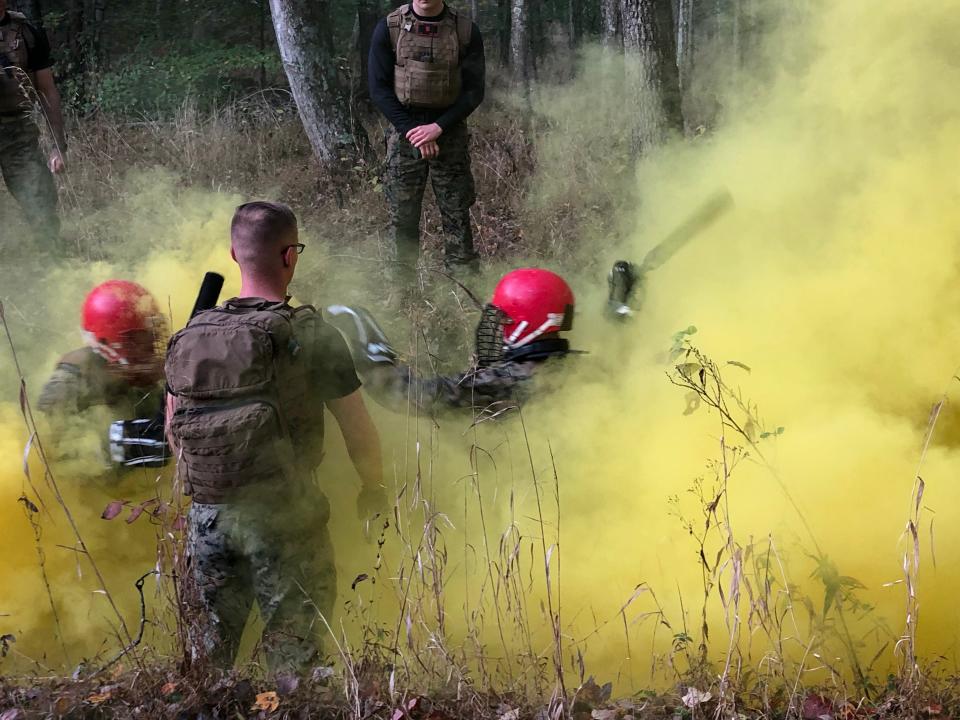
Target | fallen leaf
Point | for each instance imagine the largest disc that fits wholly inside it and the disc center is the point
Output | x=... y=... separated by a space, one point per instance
x=817 y=707
x=321 y=673
x=402 y=712
x=11 y=714
x=100 y=698
x=603 y=714
x=266 y=701
x=28 y=504
x=513 y=714
x=695 y=697
x=168 y=688
x=933 y=709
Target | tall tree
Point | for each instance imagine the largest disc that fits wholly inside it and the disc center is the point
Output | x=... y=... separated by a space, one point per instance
x=305 y=39
x=504 y=10
x=521 y=57
x=653 y=79
x=574 y=22
x=368 y=15
x=685 y=42
x=32 y=9
x=610 y=23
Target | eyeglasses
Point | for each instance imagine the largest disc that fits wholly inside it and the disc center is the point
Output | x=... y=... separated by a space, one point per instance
x=299 y=246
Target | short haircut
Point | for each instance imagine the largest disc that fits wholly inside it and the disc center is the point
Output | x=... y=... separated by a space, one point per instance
x=259 y=226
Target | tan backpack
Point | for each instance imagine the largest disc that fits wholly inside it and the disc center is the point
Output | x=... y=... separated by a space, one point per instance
x=240 y=375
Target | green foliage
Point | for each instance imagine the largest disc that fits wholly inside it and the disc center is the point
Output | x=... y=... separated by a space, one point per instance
x=157 y=86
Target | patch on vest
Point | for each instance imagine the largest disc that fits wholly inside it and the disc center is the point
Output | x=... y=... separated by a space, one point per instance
x=428 y=29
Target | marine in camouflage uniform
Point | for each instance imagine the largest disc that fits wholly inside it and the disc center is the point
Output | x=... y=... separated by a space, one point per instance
x=25 y=60
x=517 y=339
x=248 y=385
x=428 y=74
x=488 y=389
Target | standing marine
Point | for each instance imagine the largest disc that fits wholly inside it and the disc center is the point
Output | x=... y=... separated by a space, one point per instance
x=248 y=383
x=25 y=73
x=427 y=75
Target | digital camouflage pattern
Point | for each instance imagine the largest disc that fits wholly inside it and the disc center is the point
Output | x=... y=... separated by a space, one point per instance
x=484 y=388
x=278 y=555
x=28 y=179
x=82 y=397
x=404 y=184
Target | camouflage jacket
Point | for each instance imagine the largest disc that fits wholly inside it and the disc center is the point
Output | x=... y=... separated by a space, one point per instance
x=82 y=380
x=490 y=389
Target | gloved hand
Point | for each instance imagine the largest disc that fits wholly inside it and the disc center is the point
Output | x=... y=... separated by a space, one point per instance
x=371 y=502
x=367 y=341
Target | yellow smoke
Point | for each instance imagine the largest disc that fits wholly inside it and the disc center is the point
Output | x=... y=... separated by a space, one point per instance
x=833 y=280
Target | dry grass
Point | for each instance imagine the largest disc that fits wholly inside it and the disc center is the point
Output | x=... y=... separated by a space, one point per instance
x=409 y=667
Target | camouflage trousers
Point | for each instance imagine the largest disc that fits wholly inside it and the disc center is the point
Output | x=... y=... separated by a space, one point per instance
x=28 y=179
x=405 y=181
x=282 y=558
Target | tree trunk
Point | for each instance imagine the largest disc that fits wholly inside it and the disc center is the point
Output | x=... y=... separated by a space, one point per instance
x=520 y=55
x=368 y=15
x=475 y=10
x=306 y=48
x=610 y=24
x=32 y=9
x=685 y=43
x=503 y=23
x=653 y=80
x=575 y=22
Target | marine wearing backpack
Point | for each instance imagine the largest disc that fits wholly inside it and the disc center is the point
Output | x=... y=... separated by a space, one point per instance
x=240 y=373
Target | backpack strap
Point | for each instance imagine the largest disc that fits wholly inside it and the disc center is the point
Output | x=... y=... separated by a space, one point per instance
x=395 y=22
x=464 y=25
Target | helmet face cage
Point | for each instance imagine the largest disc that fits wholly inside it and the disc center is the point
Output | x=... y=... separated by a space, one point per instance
x=138 y=354
x=490 y=336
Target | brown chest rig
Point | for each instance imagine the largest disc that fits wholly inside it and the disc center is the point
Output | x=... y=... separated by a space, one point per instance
x=246 y=418
x=14 y=79
x=426 y=71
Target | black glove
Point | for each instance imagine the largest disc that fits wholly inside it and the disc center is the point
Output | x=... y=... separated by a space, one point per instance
x=367 y=341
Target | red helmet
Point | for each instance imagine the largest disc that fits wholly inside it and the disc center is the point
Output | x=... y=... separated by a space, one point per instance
x=534 y=302
x=121 y=321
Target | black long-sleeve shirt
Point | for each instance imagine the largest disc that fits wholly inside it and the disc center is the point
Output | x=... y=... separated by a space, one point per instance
x=380 y=76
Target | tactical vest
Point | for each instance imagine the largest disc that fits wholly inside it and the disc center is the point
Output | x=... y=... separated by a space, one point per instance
x=245 y=413
x=14 y=80
x=426 y=71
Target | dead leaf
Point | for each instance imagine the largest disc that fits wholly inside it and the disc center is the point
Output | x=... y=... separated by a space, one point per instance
x=513 y=714
x=603 y=714
x=817 y=707
x=695 y=697
x=11 y=714
x=402 y=712
x=168 y=689
x=112 y=510
x=358 y=579
x=28 y=504
x=933 y=709
x=267 y=701
x=100 y=698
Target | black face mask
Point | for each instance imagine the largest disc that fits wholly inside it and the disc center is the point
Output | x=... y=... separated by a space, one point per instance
x=490 y=336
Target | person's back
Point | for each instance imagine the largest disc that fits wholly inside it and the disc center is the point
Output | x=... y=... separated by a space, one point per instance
x=248 y=383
